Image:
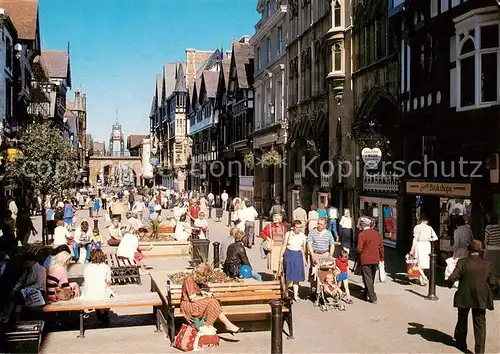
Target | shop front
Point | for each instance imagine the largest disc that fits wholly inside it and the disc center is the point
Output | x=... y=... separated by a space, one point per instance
x=444 y=204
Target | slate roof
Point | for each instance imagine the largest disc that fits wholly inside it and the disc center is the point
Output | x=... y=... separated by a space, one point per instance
x=242 y=53
x=152 y=113
x=159 y=88
x=226 y=65
x=58 y=64
x=210 y=80
x=180 y=80
x=24 y=16
x=169 y=74
x=135 y=140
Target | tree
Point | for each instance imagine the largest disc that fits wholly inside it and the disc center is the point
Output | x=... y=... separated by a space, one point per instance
x=46 y=162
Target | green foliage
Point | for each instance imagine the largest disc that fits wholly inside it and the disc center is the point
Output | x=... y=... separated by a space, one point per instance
x=47 y=162
x=270 y=158
x=249 y=160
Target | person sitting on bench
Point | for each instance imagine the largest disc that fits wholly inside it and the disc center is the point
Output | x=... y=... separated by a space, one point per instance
x=129 y=247
x=196 y=303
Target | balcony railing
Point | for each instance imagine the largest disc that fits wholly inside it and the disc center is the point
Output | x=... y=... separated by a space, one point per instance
x=297 y=178
x=325 y=180
x=381 y=183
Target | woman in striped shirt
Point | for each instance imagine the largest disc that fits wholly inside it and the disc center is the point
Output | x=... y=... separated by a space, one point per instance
x=58 y=286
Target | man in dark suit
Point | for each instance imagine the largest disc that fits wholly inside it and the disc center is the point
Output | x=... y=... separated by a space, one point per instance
x=474 y=292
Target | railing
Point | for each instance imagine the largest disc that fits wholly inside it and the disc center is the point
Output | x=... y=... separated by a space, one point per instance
x=381 y=182
x=325 y=180
x=297 y=178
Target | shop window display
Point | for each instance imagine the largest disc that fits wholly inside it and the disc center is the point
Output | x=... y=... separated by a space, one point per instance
x=452 y=209
x=390 y=222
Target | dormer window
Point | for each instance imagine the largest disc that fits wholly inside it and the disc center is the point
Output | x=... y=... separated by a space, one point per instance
x=477 y=55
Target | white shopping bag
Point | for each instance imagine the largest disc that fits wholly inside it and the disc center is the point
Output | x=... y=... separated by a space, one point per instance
x=451 y=263
x=83 y=255
x=381 y=271
x=32 y=297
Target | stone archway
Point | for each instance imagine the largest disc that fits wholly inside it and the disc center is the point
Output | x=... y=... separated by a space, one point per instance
x=97 y=163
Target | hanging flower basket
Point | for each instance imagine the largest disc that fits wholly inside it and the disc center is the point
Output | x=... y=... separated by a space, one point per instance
x=249 y=160
x=270 y=158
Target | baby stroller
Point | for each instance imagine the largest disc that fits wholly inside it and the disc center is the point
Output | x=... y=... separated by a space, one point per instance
x=328 y=298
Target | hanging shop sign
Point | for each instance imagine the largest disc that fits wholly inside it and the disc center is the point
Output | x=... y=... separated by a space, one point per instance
x=371 y=157
x=437 y=188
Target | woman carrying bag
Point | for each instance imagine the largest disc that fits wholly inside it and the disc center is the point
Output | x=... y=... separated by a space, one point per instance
x=423 y=235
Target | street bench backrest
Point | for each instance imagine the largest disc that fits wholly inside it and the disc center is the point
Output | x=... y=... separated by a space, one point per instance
x=235 y=293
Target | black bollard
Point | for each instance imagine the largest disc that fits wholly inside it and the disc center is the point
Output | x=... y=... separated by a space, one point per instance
x=209 y=211
x=96 y=224
x=276 y=327
x=229 y=218
x=216 y=255
x=261 y=224
x=432 y=277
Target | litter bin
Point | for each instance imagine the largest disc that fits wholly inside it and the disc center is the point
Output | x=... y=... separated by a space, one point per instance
x=218 y=213
x=199 y=253
x=23 y=337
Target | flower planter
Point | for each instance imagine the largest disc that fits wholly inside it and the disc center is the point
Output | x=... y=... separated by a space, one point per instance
x=167 y=249
x=166 y=229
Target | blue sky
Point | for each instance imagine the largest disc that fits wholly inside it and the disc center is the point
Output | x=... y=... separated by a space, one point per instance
x=118 y=47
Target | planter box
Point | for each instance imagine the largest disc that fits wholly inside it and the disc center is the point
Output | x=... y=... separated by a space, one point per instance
x=167 y=248
x=166 y=229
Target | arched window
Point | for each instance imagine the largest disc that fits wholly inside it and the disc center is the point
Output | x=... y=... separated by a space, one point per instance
x=477 y=51
x=337 y=57
x=337 y=15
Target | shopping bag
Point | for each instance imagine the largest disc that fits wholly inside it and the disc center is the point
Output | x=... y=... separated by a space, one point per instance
x=83 y=255
x=32 y=297
x=412 y=270
x=206 y=337
x=381 y=271
x=184 y=340
x=451 y=263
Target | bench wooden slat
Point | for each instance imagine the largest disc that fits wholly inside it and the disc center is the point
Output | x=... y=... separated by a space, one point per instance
x=108 y=258
x=240 y=293
x=240 y=298
x=240 y=310
x=121 y=301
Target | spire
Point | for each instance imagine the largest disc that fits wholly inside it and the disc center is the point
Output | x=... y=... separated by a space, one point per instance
x=116 y=119
x=180 y=80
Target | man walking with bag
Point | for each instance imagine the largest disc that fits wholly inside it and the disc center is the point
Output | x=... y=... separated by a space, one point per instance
x=371 y=253
x=474 y=292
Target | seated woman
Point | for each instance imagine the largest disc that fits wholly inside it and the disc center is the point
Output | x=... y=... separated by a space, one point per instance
x=115 y=231
x=49 y=261
x=58 y=286
x=201 y=226
x=237 y=256
x=34 y=277
x=97 y=281
x=196 y=303
x=183 y=229
x=62 y=236
x=83 y=239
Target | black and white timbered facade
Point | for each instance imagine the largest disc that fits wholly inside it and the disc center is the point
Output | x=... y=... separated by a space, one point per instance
x=449 y=95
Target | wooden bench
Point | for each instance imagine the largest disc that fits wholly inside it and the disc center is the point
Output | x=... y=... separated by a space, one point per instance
x=120 y=301
x=240 y=302
x=123 y=270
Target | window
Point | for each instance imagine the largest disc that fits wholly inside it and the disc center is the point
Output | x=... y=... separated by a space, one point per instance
x=9 y=54
x=269 y=8
x=337 y=57
x=258 y=58
x=477 y=51
x=281 y=44
x=269 y=52
x=337 y=14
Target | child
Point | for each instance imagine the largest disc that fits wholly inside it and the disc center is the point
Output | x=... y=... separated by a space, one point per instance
x=96 y=239
x=61 y=234
x=342 y=262
x=330 y=287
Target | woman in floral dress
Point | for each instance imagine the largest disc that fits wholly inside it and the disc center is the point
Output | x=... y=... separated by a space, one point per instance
x=196 y=303
x=272 y=239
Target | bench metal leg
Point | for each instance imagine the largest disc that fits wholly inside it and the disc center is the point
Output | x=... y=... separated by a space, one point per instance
x=289 y=321
x=82 y=328
x=171 y=325
x=157 y=314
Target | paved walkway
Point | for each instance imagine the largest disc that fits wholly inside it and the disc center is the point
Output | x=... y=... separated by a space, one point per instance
x=403 y=321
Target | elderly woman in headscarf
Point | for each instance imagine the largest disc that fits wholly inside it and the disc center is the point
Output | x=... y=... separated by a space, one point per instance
x=272 y=239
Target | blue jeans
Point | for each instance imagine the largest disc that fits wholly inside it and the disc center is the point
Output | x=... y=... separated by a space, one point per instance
x=332 y=226
x=76 y=250
x=256 y=276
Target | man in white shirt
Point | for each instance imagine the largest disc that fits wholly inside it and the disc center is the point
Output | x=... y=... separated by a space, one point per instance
x=247 y=217
x=129 y=247
x=115 y=232
x=61 y=234
x=333 y=215
x=224 y=197
x=300 y=214
x=13 y=209
x=138 y=207
x=82 y=239
x=211 y=200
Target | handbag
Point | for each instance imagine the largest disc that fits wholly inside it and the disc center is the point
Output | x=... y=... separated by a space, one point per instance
x=206 y=337
x=381 y=271
x=32 y=297
x=266 y=245
x=184 y=340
